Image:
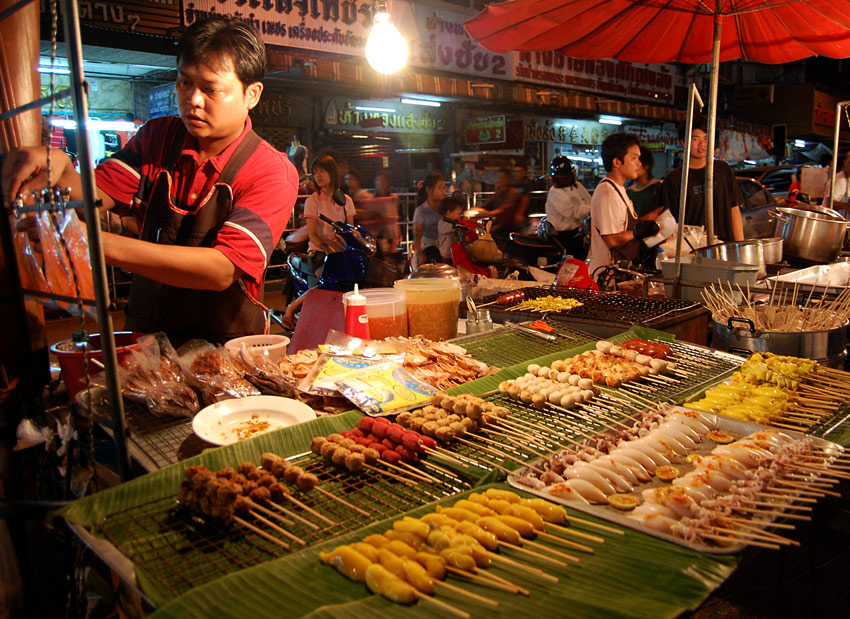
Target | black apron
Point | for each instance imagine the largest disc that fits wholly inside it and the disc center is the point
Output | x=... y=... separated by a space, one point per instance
x=631 y=251
x=184 y=313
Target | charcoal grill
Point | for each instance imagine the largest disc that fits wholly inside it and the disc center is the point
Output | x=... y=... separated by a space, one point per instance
x=607 y=313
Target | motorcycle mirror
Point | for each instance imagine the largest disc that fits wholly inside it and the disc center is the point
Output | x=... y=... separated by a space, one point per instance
x=339 y=197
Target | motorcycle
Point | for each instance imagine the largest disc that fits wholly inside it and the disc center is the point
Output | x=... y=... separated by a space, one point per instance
x=341 y=270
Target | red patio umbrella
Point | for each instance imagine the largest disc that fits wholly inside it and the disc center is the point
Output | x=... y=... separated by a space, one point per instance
x=689 y=31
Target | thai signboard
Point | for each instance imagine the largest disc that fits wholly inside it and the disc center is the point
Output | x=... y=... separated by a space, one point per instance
x=482 y=131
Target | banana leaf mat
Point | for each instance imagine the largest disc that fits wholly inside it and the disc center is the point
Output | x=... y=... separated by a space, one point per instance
x=104 y=514
x=632 y=575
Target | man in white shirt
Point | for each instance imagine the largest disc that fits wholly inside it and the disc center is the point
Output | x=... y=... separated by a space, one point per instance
x=842 y=187
x=615 y=228
x=567 y=205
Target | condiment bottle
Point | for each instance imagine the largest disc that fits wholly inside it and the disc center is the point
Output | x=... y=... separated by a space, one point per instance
x=356 y=318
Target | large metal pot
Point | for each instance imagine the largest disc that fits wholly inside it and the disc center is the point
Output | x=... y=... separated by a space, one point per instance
x=742 y=252
x=739 y=335
x=772 y=250
x=816 y=237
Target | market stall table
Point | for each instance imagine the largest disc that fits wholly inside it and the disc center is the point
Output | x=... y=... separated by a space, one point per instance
x=177 y=575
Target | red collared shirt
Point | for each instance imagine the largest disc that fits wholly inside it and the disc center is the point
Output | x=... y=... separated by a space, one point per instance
x=264 y=190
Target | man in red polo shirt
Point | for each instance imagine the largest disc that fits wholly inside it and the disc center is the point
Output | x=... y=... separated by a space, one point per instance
x=211 y=198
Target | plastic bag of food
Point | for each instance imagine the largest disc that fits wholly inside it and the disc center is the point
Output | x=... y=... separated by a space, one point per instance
x=30 y=267
x=152 y=376
x=57 y=271
x=77 y=244
x=258 y=368
x=210 y=370
x=384 y=389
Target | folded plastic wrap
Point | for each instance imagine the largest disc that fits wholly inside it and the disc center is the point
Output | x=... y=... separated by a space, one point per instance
x=211 y=371
x=152 y=376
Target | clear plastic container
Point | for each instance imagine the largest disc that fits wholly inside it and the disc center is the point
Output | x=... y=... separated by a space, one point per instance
x=387 y=311
x=432 y=306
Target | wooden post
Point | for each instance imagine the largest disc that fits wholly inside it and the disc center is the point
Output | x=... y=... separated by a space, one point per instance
x=24 y=368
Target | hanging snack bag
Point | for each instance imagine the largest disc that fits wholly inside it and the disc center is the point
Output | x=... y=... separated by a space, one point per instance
x=385 y=389
x=77 y=243
x=56 y=268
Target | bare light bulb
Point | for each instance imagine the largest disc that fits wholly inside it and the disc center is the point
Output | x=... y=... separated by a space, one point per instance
x=386 y=49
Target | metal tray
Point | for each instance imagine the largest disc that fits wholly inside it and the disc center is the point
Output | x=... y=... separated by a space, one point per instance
x=736 y=427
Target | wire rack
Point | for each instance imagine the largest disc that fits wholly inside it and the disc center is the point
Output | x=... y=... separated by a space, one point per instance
x=181 y=550
x=155 y=441
x=506 y=347
x=598 y=307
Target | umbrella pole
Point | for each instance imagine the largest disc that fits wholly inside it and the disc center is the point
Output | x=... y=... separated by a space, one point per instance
x=712 y=130
x=833 y=170
x=693 y=93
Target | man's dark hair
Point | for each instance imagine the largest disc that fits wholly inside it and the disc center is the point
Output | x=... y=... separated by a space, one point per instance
x=700 y=122
x=616 y=146
x=646 y=159
x=328 y=164
x=216 y=40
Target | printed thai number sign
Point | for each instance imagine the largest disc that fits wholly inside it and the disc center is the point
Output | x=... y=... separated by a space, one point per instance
x=489 y=130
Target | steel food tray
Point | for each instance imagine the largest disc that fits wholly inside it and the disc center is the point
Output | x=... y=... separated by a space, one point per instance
x=736 y=427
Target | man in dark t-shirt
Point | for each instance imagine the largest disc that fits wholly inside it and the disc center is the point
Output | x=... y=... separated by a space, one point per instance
x=728 y=225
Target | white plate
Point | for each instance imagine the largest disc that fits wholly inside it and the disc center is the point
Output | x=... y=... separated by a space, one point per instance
x=230 y=421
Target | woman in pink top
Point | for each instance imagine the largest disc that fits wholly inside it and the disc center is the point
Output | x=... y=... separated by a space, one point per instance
x=322 y=238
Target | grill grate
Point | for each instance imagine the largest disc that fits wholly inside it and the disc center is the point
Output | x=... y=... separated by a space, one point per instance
x=605 y=307
x=506 y=347
x=155 y=441
x=182 y=551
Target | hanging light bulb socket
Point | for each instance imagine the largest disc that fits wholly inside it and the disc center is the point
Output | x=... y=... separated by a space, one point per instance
x=386 y=49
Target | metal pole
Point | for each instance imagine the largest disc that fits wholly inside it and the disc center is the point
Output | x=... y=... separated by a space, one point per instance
x=833 y=171
x=712 y=130
x=73 y=41
x=693 y=93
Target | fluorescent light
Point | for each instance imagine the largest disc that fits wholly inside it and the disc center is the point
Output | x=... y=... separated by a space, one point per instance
x=575 y=158
x=610 y=120
x=800 y=143
x=363 y=108
x=361 y=137
x=96 y=125
x=381 y=137
x=56 y=70
x=750 y=161
x=421 y=102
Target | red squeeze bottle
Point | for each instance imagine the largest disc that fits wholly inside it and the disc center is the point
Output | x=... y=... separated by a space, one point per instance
x=356 y=318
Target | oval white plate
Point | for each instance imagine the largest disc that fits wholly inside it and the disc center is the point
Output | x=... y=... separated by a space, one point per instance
x=230 y=421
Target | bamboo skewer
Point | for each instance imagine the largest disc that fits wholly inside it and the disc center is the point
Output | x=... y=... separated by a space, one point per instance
x=525 y=568
x=486 y=581
x=531 y=553
x=291 y=514
x=566 y=542
x=342 y=501
x=260 y=532
x=461 y=591
x=280 y=518
x=309 y=509
x=443 y=605
x=388 y=474
x=280 y=530
x=596 y=525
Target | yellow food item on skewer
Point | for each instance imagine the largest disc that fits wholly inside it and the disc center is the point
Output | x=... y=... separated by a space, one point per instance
x=383 y=582
x=347 y=562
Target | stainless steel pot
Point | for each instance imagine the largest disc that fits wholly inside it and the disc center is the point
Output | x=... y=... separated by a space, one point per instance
x=772 y=250
x=742 y=252
x=808 y=235
x=739 y=335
